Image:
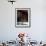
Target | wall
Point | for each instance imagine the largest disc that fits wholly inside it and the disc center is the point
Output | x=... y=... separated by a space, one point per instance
x=37 y=31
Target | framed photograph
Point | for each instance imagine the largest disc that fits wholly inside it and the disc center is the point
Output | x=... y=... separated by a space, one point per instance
x=22 y=17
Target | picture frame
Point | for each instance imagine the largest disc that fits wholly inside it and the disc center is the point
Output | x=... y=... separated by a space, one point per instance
x=22 y=17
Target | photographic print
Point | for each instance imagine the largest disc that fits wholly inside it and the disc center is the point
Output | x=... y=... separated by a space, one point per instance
x=22 y=17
